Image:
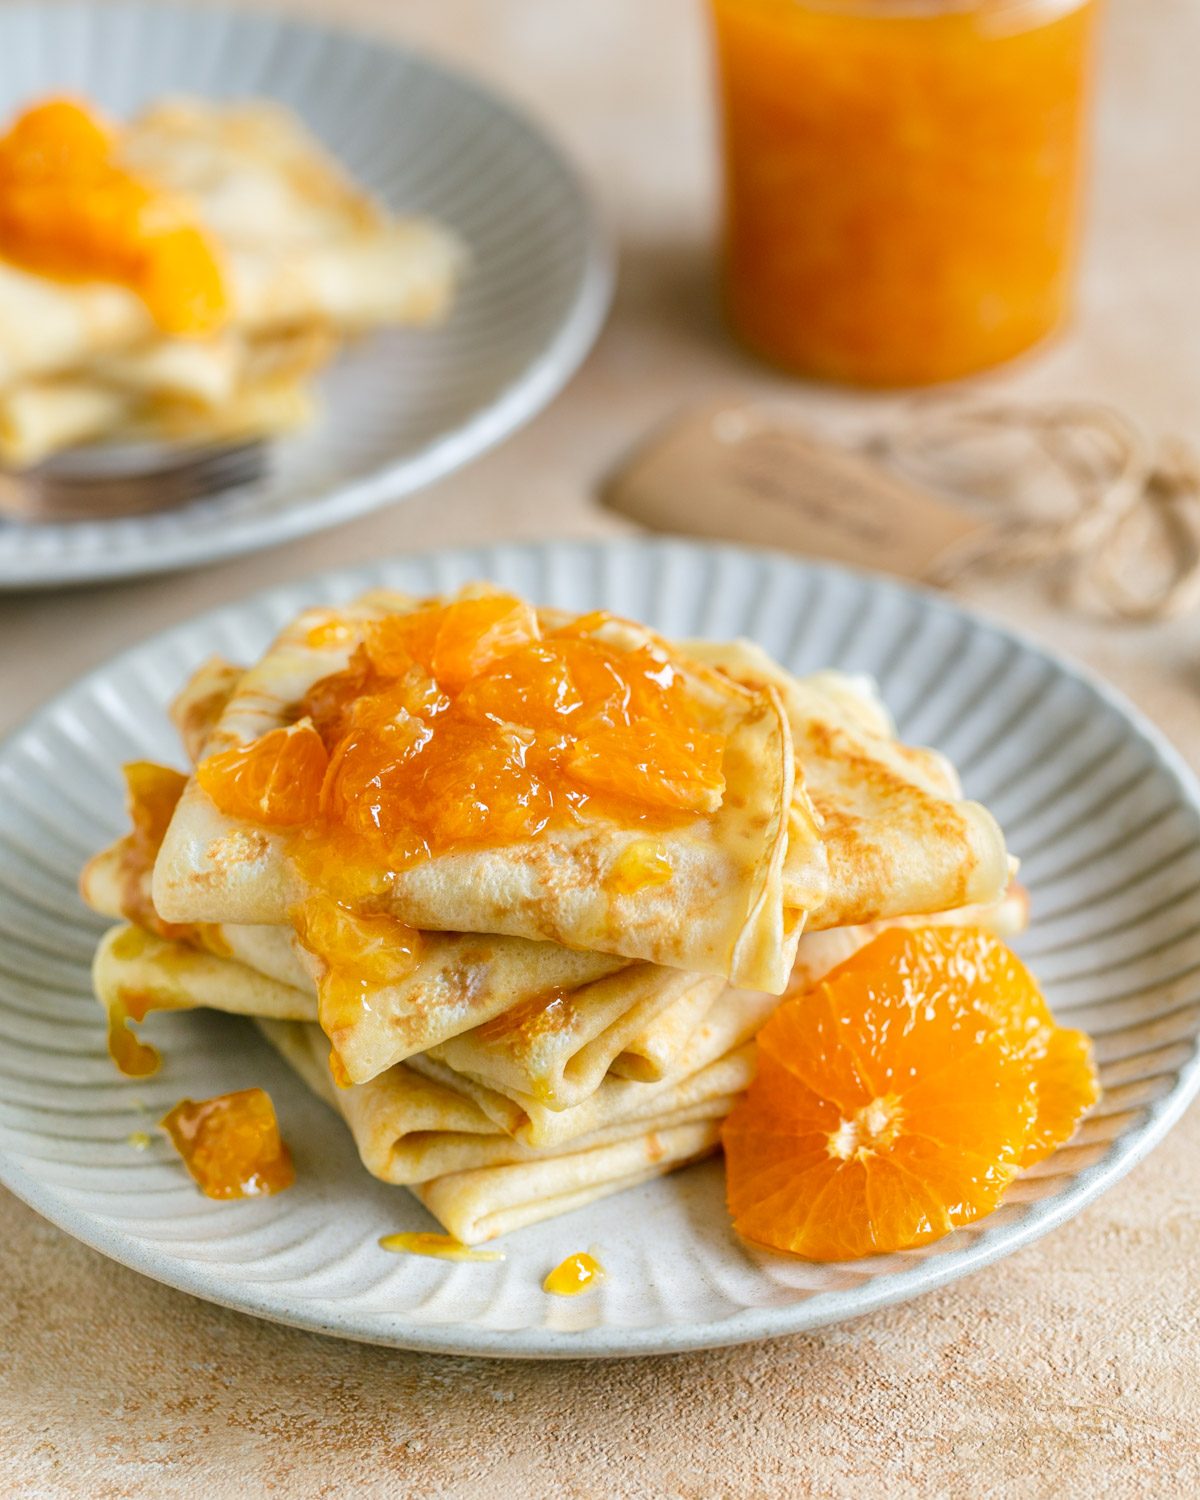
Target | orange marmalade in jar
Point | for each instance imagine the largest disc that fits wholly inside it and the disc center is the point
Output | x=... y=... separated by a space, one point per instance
x=902 y=179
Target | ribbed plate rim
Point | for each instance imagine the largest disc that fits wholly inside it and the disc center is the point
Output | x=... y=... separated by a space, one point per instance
x=510 y=410
x=808 y=1313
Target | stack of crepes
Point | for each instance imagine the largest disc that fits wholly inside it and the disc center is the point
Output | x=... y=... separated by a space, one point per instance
x=516 y=888
x=180 y=278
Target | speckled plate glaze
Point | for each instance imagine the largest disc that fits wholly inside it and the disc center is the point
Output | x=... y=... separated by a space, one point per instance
x=402 y=407
x=1101 y=811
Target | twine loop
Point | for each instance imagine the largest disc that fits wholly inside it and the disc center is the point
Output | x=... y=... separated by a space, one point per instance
x=1072 y=485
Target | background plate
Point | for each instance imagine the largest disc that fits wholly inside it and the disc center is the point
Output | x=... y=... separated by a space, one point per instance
x=1098 y=807
x=403 y=407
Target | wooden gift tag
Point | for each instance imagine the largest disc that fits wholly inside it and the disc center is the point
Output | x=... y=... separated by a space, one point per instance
x=730 y=470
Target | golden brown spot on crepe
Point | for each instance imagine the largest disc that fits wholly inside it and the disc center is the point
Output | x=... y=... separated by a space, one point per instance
x=231 y=1144
x=860 y=868
x=655 y=1150
x=197 y=709
x=580 y=1272
x=440 y=1246
x=241 y=846
x=199 y=718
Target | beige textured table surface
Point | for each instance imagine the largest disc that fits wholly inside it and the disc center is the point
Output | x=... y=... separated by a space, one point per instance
x=1069 y=1369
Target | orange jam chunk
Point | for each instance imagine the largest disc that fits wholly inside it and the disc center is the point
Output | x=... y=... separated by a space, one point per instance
x=643 y=863
x=658 y=764
x=69 y=210
x=899 y=1098
x=275 y=780
x=452 y=643
x=127 y=1007
x=231 y=1144
x=438 y=1246
x=465 y=724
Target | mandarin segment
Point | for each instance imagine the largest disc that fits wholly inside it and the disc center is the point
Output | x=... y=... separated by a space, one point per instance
x=657 y=765
x=1067 y=1087
x=68 y=209
x=275 y=780
x=899 y=1098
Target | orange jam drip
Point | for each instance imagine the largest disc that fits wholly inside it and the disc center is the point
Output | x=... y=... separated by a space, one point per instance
x=151 y=793
x=902 y=181
x=133 y=1057
x=578 y=1273
x=231 y=1144
x=69 y=210
x=438 y=1246
x=360 y=954
x=466 y=725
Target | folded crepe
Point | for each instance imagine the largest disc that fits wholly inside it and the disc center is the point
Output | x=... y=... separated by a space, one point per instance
x=481 y=1184
x=722 y=910
x=409 y=1128
x=560 y=1018
x=252 y=972
x=301 y=245
x=733 y=1019
x=899 y=838
x=475 y=1206
x=556 y=1049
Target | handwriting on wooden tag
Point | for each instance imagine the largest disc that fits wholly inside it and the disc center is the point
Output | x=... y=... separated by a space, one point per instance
x=731 y=471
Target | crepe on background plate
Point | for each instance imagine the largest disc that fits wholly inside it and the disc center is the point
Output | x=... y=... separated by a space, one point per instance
x=307 y=261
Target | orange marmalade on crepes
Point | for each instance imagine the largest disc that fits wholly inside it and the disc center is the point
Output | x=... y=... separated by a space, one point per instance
x=464 y=725
x=69 y=210
x=467 y=725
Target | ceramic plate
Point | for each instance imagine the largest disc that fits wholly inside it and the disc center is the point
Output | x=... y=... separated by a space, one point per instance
x=403 y=407
x=1098 y=807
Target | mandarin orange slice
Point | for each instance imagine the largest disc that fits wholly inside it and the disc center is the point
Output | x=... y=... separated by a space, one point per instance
x=656 y=765
x=1067 y=1087
x=899 y=1098
x=452 y=643
x=274 y=780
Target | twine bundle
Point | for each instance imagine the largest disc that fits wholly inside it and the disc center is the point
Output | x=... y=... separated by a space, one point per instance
x=1083 y=489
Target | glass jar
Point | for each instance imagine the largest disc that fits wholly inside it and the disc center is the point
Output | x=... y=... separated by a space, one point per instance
x=902 y=179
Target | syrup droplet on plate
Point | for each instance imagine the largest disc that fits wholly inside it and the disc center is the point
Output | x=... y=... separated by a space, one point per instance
x=578 y=1273
x=438 y=1246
